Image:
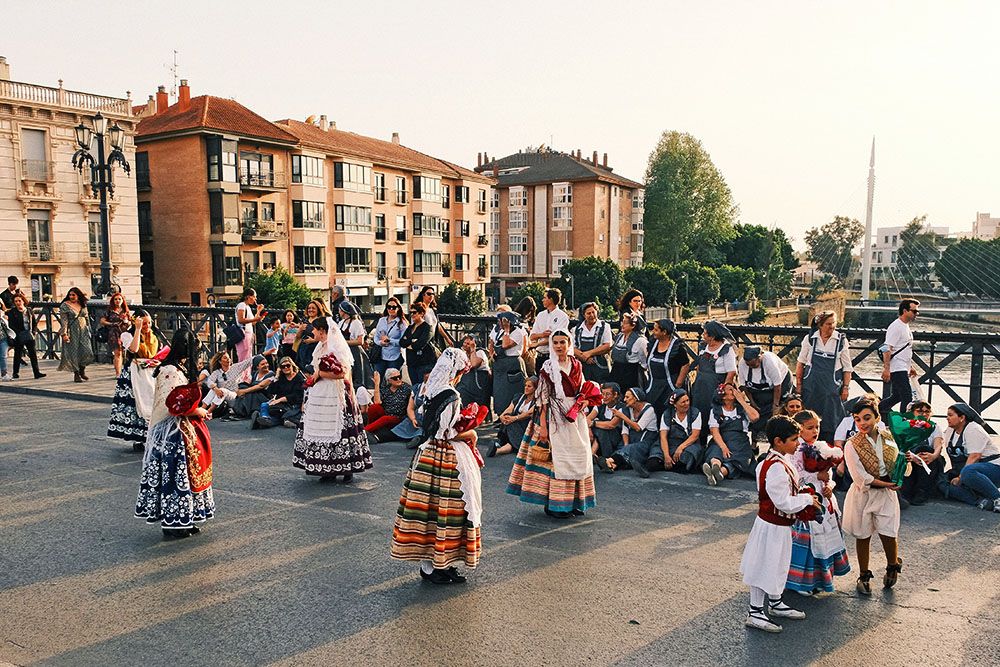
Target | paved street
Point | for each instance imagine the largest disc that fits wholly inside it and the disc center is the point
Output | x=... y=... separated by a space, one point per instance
x=294 y=572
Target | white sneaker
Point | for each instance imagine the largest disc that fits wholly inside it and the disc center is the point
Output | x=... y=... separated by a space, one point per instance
x=5 y=378
x=779 y=608
x=706 y=468
x=761 y=622
x=996 y=505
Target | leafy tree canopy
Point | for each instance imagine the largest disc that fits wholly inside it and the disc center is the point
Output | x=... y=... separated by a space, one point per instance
x=735 y=283
x=279 y=289
x=456 y=299
x=652 y=280
x=594 y=279
x=832 y=245
x=696 y=284
x=533 y=289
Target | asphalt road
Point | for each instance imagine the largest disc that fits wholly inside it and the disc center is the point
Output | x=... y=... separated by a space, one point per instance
x=295 y=572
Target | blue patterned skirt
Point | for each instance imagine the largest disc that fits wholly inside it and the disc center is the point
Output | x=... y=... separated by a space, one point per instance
x=808 y=574
x=125 y=422
x=165 y=495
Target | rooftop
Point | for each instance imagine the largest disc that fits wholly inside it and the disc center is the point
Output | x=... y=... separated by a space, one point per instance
x=547 y=166
x=206 y=112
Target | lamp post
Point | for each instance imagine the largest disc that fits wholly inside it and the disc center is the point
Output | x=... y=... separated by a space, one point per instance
x=572 y=290
x=101 y=180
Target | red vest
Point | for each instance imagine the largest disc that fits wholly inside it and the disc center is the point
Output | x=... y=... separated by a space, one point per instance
x=767 y=511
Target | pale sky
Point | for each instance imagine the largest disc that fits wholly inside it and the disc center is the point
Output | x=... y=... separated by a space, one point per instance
x=785 y=96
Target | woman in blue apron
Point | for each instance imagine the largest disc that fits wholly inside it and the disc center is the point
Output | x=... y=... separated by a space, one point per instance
x=639 y=427
x=476 y=384
x=354 y=333
x=753 y=377
x=823 y=373
x=514 y=421
x=605 y=427
x=730 y=452
x=592 y=338
x=679 y=434
x=668 y=365
x=628 y=354
x=508 y=366
x=715 y=365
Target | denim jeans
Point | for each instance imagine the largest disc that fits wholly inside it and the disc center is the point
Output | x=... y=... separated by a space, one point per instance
x=382 y=365
x=4 y=345
x=982 y=479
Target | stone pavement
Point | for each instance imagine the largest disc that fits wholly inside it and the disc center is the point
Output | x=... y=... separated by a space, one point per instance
x=59 y=384
x=293 y=572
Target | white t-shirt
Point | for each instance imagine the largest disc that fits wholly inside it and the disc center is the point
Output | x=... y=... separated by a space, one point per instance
x=485 y=365
x=714 y=423
x=725 y=363
x=517 y=335
x=977 y=441
x=898 y=336
x=243 y=308
x=647 y=421
x=549 y=321
x=775 y=370
x=353 y=330
x=431 y=318
x=843 y=361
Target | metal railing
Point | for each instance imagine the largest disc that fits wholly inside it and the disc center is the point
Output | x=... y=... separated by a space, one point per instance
x=38 y=170
x=274 y=179
x=264 y=230
x=42 y=251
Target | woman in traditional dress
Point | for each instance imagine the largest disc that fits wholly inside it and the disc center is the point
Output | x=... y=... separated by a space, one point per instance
x=175 y=489
x=133 y=400
x=668 y=364
x=77 y=351
x=330 y=441
x=715 y=365
x=514 y=421
x=872 y=505
x=629 y=354
x=730 y=451
x=117 y=319
x=509 y=343
x=823 y=372
x=439 y=520
x=679 y=434
x=554 y=465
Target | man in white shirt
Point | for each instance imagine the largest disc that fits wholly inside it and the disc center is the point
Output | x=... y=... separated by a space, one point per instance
x=766 y=379
x=551 y=319
x=897 y=357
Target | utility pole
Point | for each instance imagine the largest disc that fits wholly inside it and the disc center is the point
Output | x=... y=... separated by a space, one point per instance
x=866 y=258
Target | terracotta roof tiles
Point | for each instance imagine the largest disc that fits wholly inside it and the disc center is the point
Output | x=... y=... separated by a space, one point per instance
x=213 y=113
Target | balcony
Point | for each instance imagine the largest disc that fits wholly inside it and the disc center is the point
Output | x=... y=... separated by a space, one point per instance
x=400 y=236
x=43 y=251
x=379 y=191
x=38 y=170
x=380 y=233
x=380 y=273
x=30 y=92
x=402 y=273
x=481 y=207
x=264 y=230
x=267 y=181
x=482 y=241
x=481 y=272
x=446 y=271
x=94 y=251
x=402 y=197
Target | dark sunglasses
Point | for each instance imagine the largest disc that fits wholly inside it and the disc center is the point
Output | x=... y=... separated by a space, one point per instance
x=285 y=366
x=391 y=307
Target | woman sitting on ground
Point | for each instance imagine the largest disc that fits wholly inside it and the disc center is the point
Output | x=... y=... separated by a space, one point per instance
x=638 y=435
x=223 y=382
x=286 y=406
x=256 y=390
x=514 y=420
x=975 y=458
x=730 y=451
x=389 y=405
x=680 y=431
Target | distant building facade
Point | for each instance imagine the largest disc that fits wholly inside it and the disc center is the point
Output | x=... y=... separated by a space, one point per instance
x=985 y=227
x=888 y=241
x=549 y=207
x=50 y=229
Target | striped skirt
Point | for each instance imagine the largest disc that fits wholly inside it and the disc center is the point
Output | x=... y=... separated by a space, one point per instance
x=808 y=574
x=431 y=522
x=535 y=482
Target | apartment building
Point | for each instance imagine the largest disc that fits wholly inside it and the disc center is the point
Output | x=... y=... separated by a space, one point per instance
x=887 y=242
x=50 y=224
x=549 y=207
x=229 y=193
x=985 y=227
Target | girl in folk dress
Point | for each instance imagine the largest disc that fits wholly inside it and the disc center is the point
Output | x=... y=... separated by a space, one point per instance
x=872 y=505
x=330 y=440
x=439 y=520
x=554 y=466
x=815 y=562
x=175 y=489
x=133 y=400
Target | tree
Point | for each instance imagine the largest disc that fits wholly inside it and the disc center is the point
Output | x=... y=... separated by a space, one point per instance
x=279 y=289
x=689 y=209
x=735 y=283
x=458 y=299
x=594 y=279
x=757 y=247
x=533 y=289
x=652 y=280
x=823 y=285
x=696 y=284
x=773 y=283
x=918 y=252
x=832 y=245
x=971 y=266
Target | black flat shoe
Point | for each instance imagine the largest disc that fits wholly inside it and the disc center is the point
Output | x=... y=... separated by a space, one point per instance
x=348 y=478
x=169 y=534
x=194 y=530
x=640 y=469
x=423 y=575
x=493 y=450
x=558 y=515
x=439 y=577
x=414 y=443
x=138 y=447
x=603 y=465
x=455 y=576
x=578 y=513
x=326 y=479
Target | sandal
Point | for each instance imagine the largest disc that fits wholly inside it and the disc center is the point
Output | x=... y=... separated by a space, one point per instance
x=865 y=588
x=892 y=574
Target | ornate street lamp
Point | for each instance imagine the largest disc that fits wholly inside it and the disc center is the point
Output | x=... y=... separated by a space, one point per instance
x=101 y=180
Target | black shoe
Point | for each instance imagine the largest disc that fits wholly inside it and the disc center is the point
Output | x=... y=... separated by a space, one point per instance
x=76 y=377
x=39 y=375
x=918 y=501
x=414 y=443
x=169 y=534
x=253 y=420
x=455 y=576
x=603 y=465
x=348 y=478
x=577 y=512
x=138 y=447
x=439 y=577
x=558 y=515
x=194 y=530
x=639 y=469
x=15 y=376
x=493 y=450
x=326 y=479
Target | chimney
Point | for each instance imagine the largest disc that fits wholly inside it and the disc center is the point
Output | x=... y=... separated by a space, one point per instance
x=4 y=69
x=150 y=107
x=324 y=124
x=395 y=138
x=479 y=159
x=333 y=125
x=594 y=161
x=605 y=161
x=162 y=101
x=184 y=95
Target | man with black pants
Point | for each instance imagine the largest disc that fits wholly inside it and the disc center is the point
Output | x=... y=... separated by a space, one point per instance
x=897 y=356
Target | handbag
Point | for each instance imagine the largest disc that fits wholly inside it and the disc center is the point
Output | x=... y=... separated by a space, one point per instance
x=234 y=333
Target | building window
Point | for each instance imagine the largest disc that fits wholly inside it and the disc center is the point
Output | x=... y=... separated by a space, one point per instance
x=251 y=263
x=256 y=169
x=562 y=216
x=221 y=159
x=353 y=218
x=142 y=171
x=893 y=240
x=494 y=198
x=226 y=266
x=400 y=227
x=559 y=262
x=482 y=228
x=637 y=199
x=145 y=220
x=464 y=228
x=426 y=262
x=494 y=222
x=380 y=227
x=461 y=262
x=307 y=170
x=379 y=186
x=518 y=220
x=461 y=194
x=428 y=225
x=427 y=188
x=518 y=264
x=562 y=193
x=402 y=196
x=517 y=243
x=41 y=286
x=518 y=196
x=495 y=263
x=39 y=239
x=94 y=234
x=445 y=196
x=350 y=176
x=34 y=160
x=354 y=260
x=380 y=265
x=401 y=265
x=481 y=206
x=309 y=259
x=270 y=260
x=307 y=215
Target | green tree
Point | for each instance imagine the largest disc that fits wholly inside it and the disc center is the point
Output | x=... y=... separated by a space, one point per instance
x=971 y=267
x=918 y=252
x=457 y=299
x=278 y=289
x=689 y=209
x=533 y=289
x=594 y=279
x=832 y=245
x=757 y=247
x=773 y=283
x=735 y=283
x=823 y=285
x=652 y=280
x=696 y=284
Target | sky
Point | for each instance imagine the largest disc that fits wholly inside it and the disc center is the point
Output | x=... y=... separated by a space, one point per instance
x=785 y=96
